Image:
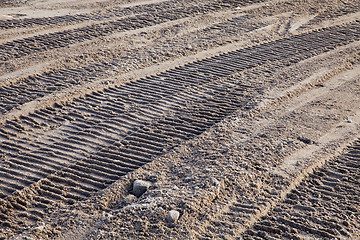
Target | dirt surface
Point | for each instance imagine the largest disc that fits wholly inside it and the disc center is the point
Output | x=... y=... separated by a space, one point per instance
x=241 y=116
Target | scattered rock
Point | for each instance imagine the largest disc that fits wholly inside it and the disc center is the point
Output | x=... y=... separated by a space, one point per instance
x=39 y=228
x=349 y=121
x=172 y=216
x=188 y=179
x=215 y=182
x=24 y=238
x=106 y=216
x=305 y=140
x=140 y=186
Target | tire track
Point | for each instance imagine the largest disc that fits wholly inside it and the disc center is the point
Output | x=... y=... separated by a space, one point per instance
x=50 y=82
x=23 y=47
x=138 y=147
x=323 y=206
x=127 y=126
x=94 y=16
x=330 y=14
x=106 y=14
x=10 y=3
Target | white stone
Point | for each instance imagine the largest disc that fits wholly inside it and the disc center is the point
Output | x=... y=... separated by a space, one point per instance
x=172 y=216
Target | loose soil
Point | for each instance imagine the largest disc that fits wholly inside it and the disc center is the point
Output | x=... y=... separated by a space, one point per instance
x=243 y=115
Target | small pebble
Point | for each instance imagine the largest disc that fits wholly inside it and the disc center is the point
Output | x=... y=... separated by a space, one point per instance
x=349 y=121
x=188 y=179
x=215 y=182
x=40 y=228
x=172 y=216
x=140 y=187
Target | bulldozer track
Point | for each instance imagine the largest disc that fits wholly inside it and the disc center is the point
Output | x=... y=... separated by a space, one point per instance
x=22 y=47
x=332 y=14
x=49 y=153
x=323 y=206
x=37 y=86
x=108 y=14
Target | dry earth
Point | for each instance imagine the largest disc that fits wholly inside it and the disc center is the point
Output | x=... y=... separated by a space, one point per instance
x=243 y=116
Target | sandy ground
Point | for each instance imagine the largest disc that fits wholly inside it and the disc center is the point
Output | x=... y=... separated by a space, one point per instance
x=242 y=116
